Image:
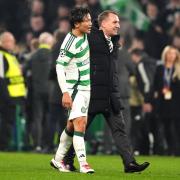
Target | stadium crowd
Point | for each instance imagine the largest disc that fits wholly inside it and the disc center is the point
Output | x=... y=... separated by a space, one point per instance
x=150 y=76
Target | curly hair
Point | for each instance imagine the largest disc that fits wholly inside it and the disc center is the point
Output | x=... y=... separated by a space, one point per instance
x=77 y=15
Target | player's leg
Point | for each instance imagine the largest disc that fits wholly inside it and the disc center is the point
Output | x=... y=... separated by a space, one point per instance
x=79 y=144
x=69 y=158
x=79 y=118
x=65 y=143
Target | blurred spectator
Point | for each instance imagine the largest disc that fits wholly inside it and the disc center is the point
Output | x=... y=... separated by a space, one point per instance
x=136 y=101
x=37 y=25
x=40 y=65
x=95 y=8
x=176 y=41
x=63 y=11
x=64 y=25
x=37 y=7
x=167 y=16
x=126 y=69
x=160 y=3
x=167 y=88
x=137 y=43
x=12 y=87
x=145 y=70
x=127 y=32
x=26 y=58
x=175 y=29
x=155 y=38
x=13 y=16
x=52 y=8
x=61 y=20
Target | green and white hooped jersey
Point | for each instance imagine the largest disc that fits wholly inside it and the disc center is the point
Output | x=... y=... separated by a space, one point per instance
x=74 y=57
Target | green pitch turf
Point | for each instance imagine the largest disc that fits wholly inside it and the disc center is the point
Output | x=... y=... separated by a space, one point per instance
x=27 y=166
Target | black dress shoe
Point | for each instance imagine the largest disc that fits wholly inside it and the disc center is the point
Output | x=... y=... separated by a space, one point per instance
x=135 y=167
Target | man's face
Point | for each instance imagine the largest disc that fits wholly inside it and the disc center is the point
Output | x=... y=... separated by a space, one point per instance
x=85 y=25
x=37 y=23
x=8 y=42
x=111 y=25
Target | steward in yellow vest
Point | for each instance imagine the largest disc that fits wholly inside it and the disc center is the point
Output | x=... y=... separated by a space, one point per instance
x=12 y=88
x=13 y=75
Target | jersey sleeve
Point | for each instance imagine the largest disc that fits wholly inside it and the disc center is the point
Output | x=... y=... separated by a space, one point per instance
x=67 y=51
x=65 y=56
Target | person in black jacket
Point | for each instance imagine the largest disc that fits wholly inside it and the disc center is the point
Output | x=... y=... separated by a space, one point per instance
x=105 y=91
x=145 y=71
x=167 y=97
x=40 y=66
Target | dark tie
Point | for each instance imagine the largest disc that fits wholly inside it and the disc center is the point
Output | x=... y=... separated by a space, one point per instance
x=110 y=44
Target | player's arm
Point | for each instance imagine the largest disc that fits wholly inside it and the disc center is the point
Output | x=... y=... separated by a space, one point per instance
x=61 y=63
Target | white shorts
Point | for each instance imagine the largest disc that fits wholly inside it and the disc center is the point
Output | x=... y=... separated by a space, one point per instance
x=80 y=103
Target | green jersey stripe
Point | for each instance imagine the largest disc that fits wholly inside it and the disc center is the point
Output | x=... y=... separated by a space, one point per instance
x=82 y=53
x=80 y=42
x=62 y=63
x=85 y=72
x=84 y=83
x=69 y=54
x=81 y=64
x=71 y=81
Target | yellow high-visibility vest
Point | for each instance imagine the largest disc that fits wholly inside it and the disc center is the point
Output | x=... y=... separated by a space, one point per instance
x=16 y=86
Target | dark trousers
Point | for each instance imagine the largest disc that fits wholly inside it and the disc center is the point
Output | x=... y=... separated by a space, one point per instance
x=142 y=125
x=108 y=142
x=40 y=116
x=117 y=126
x=8 y=118
x=172 y=135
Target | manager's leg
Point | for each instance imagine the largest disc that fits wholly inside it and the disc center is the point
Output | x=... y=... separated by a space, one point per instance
x=117 y=126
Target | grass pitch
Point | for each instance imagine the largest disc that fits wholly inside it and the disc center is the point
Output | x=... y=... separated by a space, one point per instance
x=28 y=166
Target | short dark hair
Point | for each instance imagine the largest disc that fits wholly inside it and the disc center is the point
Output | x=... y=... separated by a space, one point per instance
x=105 y=14
x=77 y=14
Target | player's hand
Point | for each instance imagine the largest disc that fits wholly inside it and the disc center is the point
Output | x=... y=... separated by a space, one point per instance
x=67 y=100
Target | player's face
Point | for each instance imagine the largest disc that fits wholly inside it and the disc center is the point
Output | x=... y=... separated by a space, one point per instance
x=86 y=24
x=111 y=25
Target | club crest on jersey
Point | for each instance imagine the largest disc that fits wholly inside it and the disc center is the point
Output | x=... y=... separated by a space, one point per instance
x=83 y=110
x=62 y=53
